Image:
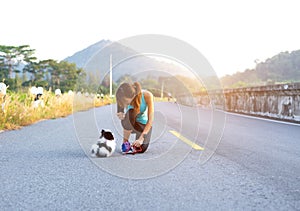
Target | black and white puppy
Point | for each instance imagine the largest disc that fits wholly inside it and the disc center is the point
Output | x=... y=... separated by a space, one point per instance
x=105 y=145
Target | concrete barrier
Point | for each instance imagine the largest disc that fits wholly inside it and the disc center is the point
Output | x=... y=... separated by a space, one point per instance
x=273 y=101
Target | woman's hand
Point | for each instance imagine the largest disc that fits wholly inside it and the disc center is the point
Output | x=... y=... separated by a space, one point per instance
x=138 y=142
x=121 y=115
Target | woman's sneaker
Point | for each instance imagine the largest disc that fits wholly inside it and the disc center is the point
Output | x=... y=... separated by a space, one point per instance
x=137 y=149
x=126 y=148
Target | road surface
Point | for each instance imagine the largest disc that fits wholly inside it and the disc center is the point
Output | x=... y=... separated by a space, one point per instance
x=255 y=166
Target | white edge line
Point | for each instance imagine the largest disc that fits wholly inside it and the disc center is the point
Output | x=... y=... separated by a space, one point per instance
x=263 y=119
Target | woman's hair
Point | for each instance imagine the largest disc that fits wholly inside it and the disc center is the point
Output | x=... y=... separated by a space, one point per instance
x=127 y=90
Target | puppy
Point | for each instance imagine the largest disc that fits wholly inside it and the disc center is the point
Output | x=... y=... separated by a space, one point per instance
x=105 y=145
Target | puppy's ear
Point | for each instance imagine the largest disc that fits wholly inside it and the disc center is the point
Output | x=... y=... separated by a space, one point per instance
x=102 y=133
x=109 y=136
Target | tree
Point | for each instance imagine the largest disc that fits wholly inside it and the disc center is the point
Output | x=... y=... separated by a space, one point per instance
x=69 y=75
x=12 y=56
x=93 y=81
x=38 y=71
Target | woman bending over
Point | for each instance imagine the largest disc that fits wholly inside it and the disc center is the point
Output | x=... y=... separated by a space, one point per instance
x=138 y=117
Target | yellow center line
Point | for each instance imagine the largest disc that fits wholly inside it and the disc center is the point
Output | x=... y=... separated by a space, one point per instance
x=185 y=140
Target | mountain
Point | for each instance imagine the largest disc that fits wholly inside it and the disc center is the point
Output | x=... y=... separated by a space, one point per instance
x=95 y=59
x=80 y=58
x=281 y=68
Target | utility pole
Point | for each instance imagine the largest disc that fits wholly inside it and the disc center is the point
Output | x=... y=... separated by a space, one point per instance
x=162 y=87
x=162 y=90
x=110 y=76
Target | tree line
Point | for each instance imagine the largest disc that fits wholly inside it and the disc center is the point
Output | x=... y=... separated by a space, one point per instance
x=20 y=69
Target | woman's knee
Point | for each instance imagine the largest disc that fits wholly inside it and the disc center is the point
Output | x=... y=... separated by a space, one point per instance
x=144 y=147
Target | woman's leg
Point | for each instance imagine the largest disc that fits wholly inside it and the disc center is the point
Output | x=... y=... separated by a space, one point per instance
x=147 y=139
x=130 y=126
x=126 y=135
x=127 y=127
x=127 y=130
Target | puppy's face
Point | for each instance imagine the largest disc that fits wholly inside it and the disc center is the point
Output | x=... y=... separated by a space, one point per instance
x=107 y=134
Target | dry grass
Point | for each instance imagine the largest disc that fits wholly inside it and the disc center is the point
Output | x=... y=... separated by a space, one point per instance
x=19 y=109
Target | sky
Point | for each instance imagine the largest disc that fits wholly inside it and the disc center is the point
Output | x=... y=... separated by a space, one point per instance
x=231 y=34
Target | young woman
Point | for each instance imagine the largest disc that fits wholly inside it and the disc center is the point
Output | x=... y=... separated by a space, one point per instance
x=138 y=116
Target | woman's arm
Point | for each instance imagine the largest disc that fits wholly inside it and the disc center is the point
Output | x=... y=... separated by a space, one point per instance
x=149 y=100
x=120 y=109
x=120 y=112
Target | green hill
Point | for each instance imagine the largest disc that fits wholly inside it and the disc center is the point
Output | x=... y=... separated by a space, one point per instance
x=281 y=68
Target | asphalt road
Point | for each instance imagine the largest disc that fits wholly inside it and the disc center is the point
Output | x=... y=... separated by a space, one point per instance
x=246 y=164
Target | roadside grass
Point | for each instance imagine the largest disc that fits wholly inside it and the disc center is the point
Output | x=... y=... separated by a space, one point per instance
x=20 y=110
